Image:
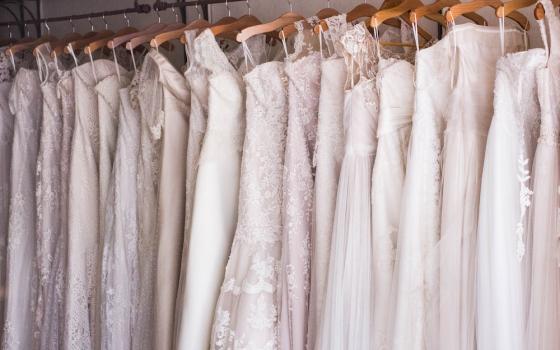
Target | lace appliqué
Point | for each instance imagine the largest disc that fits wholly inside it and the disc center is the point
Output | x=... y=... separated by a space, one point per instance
x=525 y=194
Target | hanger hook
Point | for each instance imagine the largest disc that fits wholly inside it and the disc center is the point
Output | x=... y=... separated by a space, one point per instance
x=157 y=14
x=26 y=29
x=248 y=7
x=91 y=24
x=175 y=13
x=47 y=27
x=328 y=4
x=198 y=10
x=10 y=31
x=126 y=19
x=291 y=5
x=228 y=8
x=72 y=25
x=105 y=21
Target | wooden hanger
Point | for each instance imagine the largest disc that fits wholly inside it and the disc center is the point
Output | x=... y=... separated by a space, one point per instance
x=472 y=6
x=434 y=8
x=280 y=22
x=178 y=33
x=118 y=41
x=407 y=5
x=147 y=38
x=23 y=45
x=81 y=43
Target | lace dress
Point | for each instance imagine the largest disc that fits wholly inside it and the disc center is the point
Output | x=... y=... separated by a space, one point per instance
x=329 y=152
x=173 y=131
x=348 y=307
x=303 y=69
x=544 y=306
x=197 y=79
x=246 y=313
x=214 y=215
x=468 y=118
x=505 y=197
x=396 y=106
x=25 y=103
x=49 y=312
x=6 y=137
x=119 y=270
x=81 y=328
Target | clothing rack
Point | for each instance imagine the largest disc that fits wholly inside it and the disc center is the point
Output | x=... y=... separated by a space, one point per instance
x=136 y=8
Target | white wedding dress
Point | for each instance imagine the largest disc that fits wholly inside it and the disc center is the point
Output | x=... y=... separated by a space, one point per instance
x=468 y=117
x=170 y=204
x=505 y=199
x=329 y=152
x=84 y=236
x=120 y=276
x=25 y=103
x=6 y=137
x=197 y=79
x=347 y=318
x=395 y=83
x=544 y=305
x=246 y=314
x=214 y=215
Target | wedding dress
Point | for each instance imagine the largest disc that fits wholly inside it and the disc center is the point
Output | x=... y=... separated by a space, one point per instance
x=49 y=311
x=6 y=137
x=246 y=312
x=415 y=283
x=348 y=307
x=395 y=83
x=544 y=306
x=468 y=117
x=303 y=70
x=119 y=271
x=170 y=203
x=505 y=197
x=329 y=152
x=81 y=323
x=25 y=103
x=197 y=79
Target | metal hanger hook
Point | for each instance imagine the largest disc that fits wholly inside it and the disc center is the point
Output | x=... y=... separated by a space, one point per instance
x=72 y=25
x=105 y=21
x=10 y=31
x=26 y=30
x=47 y=27
x=248 y=7
x=328 y=4
x=198 y=10
x=91 y=24
x=291 y=5
x=175 y=13
x=158 y=16
x=126 y=19
x=228 y=8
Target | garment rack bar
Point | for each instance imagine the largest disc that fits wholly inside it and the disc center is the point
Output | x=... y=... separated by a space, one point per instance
x=163 y=5
x=141 y=8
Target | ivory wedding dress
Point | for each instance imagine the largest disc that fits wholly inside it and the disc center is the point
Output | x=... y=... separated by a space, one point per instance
x=49 y=309
x=120 y=276
x=173 y=117
x=505 y=199
x=84 y=237
x=197 y=79
x=217 y=186
x=329 y=152
x=395 y=83
x=544 y=306
x=25 y=103
x=304 y=75
x=468 y=117
x=347 y=319
x=6 y=137
x=246 y=312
